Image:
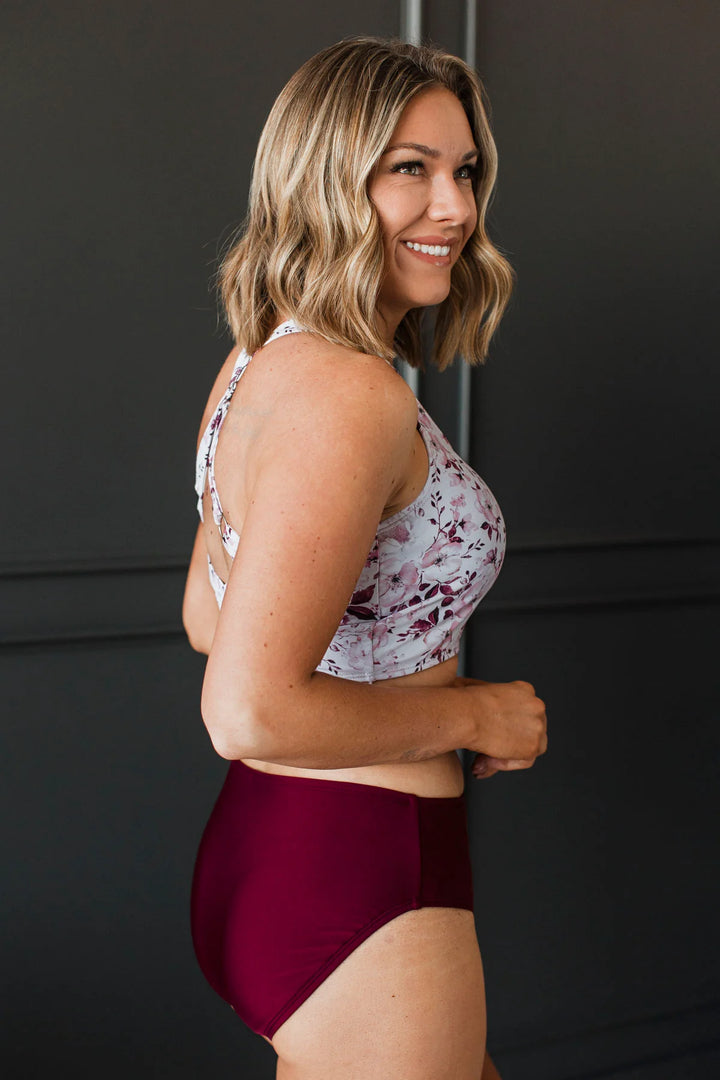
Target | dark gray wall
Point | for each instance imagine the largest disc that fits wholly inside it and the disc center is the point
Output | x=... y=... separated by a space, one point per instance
x=595 y=424
x=131 y=140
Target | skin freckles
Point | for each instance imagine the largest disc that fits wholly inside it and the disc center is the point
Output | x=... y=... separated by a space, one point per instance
x=423 y=191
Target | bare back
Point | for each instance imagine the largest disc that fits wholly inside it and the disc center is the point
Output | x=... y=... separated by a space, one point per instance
x=284 y=379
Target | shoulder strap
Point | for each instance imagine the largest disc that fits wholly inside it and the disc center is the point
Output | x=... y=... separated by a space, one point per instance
x=206 y=449
x=288 y=327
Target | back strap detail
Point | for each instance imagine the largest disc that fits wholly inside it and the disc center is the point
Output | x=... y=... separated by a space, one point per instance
x=205 y=462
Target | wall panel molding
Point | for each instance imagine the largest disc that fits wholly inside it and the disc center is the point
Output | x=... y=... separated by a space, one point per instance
x=546 y=575
x=120 y=598
x=62 y=604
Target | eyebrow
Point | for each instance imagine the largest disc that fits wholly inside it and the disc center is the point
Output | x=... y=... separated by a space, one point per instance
x=428 y=150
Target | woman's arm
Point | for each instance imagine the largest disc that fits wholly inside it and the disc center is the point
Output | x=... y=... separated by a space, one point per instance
x=200 y=616
x=338 y=437
x=200 y=608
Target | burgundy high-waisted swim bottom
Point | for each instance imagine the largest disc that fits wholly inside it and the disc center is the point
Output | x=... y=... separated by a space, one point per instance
x=293 y=873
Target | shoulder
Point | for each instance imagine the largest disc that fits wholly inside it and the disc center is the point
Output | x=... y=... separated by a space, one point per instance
x=335 y=385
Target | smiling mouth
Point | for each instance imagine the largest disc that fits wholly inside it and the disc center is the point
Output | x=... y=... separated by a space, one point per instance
x=428 y=249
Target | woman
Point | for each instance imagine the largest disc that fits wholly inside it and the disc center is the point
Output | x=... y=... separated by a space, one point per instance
x=347 y=544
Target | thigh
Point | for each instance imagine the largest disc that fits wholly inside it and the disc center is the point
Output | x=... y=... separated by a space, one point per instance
x=409 y=1001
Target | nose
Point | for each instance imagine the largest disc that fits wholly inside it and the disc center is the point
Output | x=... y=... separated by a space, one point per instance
x=450 y=201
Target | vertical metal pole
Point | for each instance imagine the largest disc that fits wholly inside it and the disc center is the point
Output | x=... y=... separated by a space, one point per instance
x=412 y=21
x=469 y=51
x=411 y=30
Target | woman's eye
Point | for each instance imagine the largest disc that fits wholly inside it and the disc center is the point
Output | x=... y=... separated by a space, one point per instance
x=407 y=168
x=467 y=172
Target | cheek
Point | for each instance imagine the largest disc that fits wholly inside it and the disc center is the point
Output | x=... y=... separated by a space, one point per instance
x=397 y=209
x=385 y=219
x=389 y=219
x=472 y=218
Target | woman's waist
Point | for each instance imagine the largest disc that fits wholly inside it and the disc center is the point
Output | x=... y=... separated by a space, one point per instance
x=437 y=777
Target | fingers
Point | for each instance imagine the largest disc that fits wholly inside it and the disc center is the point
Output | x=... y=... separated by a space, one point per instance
x=481 y=766
x=484 y=766
x=510 y=764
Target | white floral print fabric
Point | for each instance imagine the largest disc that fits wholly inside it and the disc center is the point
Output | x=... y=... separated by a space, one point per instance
x=428 y=568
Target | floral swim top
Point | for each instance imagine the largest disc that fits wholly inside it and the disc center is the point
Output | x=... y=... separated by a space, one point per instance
x=428 y=568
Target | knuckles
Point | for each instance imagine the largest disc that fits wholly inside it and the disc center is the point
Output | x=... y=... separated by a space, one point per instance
x=527 y=685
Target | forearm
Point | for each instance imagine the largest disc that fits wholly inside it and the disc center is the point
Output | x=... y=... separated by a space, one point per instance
x=332 y=723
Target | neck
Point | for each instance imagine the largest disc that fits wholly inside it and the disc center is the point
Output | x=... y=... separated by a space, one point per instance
x=388 y=324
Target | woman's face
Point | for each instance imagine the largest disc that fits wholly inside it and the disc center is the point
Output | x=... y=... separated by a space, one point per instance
x=422 y=189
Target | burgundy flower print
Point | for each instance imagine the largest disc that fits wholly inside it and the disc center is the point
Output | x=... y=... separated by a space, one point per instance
x=429 y=566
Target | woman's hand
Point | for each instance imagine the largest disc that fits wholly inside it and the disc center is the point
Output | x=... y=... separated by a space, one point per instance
x=483 y=765
x=512 y=725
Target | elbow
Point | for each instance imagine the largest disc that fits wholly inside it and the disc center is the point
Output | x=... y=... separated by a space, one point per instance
x=223 y=746
x=235 y=726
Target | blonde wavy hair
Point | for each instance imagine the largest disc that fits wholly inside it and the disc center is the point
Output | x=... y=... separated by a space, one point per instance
x=311 y=246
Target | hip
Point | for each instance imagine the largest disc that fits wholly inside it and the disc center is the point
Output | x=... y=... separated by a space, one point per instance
x=294 y=873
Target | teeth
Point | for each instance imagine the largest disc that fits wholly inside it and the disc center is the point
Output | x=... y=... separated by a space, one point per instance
x=428 y=249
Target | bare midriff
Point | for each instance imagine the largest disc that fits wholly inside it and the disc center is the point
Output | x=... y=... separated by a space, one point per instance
x=435 y=777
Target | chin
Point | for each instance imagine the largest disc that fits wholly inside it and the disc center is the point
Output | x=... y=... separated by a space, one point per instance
x=433 y=299
x=422 y=298
x=427 y=297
